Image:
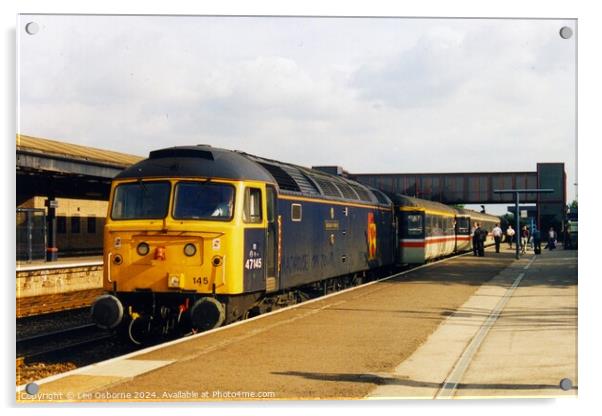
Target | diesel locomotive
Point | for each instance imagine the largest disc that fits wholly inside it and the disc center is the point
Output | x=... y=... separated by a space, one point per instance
x=197 y=237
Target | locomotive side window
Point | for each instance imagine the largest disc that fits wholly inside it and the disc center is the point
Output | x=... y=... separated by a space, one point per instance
x=296 y=212
x=252 y=208
x=140 y=200
x=202 y=200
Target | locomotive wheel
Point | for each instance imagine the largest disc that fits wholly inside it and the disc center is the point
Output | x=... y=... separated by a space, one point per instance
x=207 y=313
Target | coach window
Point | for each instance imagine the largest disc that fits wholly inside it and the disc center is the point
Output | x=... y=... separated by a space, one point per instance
x=463 y=226
x=414 y=225
x=296 y=212
x=252 y=206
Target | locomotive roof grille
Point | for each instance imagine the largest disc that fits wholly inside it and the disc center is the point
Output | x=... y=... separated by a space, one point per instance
x=364 y=195
x=304 y=183
x=347 y=191
x=328 y=187
x=283 y=179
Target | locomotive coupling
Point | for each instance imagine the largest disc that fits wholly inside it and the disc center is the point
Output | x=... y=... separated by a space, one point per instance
x=107 y=311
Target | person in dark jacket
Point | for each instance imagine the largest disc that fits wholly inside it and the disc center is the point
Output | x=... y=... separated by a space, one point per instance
x=476 y=238
x=536 y=241
x=483 y=236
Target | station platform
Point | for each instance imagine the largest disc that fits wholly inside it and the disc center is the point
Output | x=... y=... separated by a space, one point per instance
x=464 y=327
x=70 y=282
x=60 y=263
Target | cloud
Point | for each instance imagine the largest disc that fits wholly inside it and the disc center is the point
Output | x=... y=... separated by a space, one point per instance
x=391 y=95
x=429 y=72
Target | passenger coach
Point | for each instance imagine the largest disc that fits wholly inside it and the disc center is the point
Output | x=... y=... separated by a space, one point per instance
x=486 y=221
x=425 y=229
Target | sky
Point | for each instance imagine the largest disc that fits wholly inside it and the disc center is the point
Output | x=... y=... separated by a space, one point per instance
x=373 y=95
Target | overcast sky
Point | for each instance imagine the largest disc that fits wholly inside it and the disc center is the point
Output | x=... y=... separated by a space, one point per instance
x=368 y=94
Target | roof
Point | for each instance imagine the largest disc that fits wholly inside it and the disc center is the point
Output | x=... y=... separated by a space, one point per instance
x=211 y=162
x=421 y=204
x=478 y=216
x=73 y=151
x=296 y=179
x=201 y=161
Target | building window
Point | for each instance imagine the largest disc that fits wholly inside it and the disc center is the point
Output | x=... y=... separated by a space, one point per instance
x=91 y=225
x=61 y=225
x=75 y=222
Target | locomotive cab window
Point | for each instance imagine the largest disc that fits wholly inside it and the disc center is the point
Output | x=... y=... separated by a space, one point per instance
x=252 y=207
x=202 y=200
x=296 y=212
x=140 y=200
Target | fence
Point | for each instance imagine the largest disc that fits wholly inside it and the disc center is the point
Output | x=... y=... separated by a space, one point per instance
x=31 y=234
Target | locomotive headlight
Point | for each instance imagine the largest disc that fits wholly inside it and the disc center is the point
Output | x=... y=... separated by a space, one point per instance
x=190 y=249
x=142 y=249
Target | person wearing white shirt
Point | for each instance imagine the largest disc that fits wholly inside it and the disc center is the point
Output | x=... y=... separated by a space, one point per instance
x=510 y=235
x=497 y=237
x=551 y=239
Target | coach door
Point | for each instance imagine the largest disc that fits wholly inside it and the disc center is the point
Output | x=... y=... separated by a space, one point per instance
x=271 y=254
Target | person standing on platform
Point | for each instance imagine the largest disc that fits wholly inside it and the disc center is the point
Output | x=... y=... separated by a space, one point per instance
x=524 y=239
x=536 y=241
x=497 y=237
x=483 y=236
x=510 y=235
x=551 y=239
x=476 y=237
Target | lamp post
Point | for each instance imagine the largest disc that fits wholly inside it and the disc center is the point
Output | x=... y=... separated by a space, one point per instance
x=516 y=193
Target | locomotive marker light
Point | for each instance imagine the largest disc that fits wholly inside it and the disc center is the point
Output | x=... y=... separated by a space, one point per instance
x=190 y=249
x=516 y=193
x=143 y=249
x=160 y=253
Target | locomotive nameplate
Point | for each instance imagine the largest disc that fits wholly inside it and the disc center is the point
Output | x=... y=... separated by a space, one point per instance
x=331 y=225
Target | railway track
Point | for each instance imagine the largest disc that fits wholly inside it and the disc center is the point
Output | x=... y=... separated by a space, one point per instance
x=56 y=342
